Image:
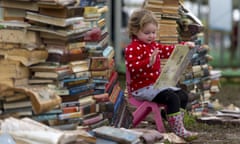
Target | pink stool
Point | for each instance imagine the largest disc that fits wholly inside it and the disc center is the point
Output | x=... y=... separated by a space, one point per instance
x=143 y=108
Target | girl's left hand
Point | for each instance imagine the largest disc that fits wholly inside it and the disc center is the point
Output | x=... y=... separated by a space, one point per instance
x=190 y=44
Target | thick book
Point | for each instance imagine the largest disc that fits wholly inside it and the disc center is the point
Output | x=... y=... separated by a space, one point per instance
x=17 y=104
x=116 y=134
x=115 y=93
x=93 y=119
x=62 y=22
x=175 y=66
x=64 y=12
x=43 y=98
x=30 y=5
x=19 y=36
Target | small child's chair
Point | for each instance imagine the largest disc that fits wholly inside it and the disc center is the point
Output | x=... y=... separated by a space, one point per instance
x=143 y=108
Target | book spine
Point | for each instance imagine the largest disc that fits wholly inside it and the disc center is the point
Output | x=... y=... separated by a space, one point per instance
x=88 y=109
x=112 y=82
x=93 y=120
x=101 y=97
x=70 y=104
x=115 y=93
x=70 y=109
x=70 y=115
x=78 y=89
x=103 y=122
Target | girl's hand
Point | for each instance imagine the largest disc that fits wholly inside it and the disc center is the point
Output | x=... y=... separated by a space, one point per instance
x=190 y=44
x=153 y=57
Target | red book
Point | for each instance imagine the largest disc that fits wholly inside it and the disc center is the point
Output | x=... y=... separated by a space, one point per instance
x=70 y=109
x=101 y=97
x=112 y=81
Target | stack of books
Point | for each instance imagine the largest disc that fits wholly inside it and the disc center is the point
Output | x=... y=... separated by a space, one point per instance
x=73 y=59
x=167 y=13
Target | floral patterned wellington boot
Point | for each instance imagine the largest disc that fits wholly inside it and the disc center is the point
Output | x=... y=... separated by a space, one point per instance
x=176 y=124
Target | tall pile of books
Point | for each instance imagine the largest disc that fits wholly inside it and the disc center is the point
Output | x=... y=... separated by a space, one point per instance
x=167 y=13
x=74 y=60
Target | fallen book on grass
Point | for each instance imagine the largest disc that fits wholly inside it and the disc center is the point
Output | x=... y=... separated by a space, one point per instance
x=118 y=135
x=175 y=66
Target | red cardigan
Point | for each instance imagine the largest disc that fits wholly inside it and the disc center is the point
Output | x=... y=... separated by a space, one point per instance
x=137 y=58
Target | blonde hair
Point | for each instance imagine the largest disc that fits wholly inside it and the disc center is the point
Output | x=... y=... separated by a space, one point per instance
x=139 y=19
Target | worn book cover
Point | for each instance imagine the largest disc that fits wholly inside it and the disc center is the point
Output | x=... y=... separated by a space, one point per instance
x=176 y=64
x=116 y=134
x=62 y=22
x=43 y=99
x=64 y=12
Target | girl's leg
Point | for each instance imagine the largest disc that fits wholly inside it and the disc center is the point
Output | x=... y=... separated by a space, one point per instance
x=174 y=101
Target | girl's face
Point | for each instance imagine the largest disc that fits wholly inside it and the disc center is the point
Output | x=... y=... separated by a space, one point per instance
x=148 y=33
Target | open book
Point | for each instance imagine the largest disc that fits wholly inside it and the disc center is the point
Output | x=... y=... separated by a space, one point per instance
x=175 y=66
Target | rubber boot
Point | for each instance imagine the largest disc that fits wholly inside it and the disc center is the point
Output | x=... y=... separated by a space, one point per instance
x=176 y=124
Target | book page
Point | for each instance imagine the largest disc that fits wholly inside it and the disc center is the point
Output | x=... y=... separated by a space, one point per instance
x=176 y=64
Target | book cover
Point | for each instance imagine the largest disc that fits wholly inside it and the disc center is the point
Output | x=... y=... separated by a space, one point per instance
x=112 y=81
x=43 y=98
x=78 y=89
x=176 y=64
x=115 y=93
x=32 y=6
x=98 y=63
x=19 y=36
x=93 y=119
x=64 y=12
x=116 y=134
x=17 y=104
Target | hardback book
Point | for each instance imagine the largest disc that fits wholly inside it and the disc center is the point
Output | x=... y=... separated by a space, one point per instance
x=30 y=5
x=78 y=89
x=13 y=69
x=112 y=81
x=14 y=82
x=48 y=66
x=62 y=22
x=83 y=74
x=64 y=12
x=19 y=36
x=9 y=45
x=175 y=66
x=72 y=82
x=15 y=97
x=70 y=115
x=69 y=98
x=70 y=109
x=104 y=122
x=57 y=75
x=12 y=14
x=19 y=112
x=70 y=104
x=93 y=119
x=104 y=97
x=86 y=100
x=65 y=58
x=115 y=93
x=25 y=56
x=98 y=63
x=79 y=65
x=17 y=104
x=43 y=98
x=116 y=134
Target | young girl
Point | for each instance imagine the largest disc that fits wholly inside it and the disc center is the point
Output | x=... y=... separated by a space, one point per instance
x=142 y=58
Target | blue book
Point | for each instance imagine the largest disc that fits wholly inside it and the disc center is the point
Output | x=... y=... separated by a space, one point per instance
x=81 y=88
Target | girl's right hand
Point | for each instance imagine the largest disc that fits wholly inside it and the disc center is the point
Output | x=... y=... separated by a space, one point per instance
x=153 y=57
